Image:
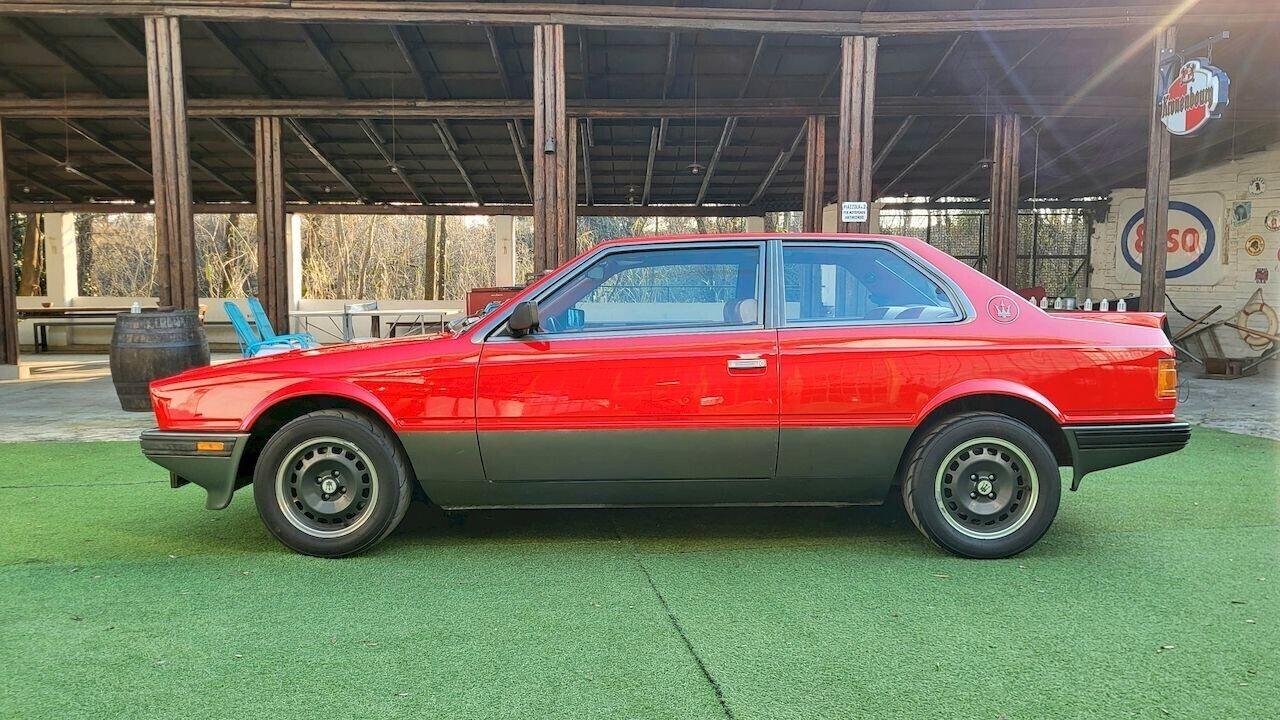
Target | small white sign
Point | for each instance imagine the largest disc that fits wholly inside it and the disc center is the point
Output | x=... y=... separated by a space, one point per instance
x=853 y=212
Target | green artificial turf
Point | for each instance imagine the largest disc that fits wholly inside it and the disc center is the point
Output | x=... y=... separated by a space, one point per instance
x=1153 y=596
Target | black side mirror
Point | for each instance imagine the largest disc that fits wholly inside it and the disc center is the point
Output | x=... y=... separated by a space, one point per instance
x=524 y=318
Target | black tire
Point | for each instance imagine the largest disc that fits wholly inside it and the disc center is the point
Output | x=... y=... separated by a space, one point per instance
x=331 y=483
x=953 y=460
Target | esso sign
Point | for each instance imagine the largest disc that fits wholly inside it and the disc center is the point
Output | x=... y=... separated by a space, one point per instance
x=1189 y=242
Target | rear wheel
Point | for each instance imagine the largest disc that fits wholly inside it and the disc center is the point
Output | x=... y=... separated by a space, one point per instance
x=982 y=485
x=331 y=483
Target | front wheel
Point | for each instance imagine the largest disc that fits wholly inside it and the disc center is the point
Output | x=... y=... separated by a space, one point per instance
x=982 y=485
x=331 y=483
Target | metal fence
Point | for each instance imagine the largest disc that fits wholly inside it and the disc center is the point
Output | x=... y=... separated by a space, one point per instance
x=1053 y=245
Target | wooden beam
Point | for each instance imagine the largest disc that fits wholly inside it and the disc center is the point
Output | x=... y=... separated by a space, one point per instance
x=231 y=134
x=309 y=142
x=514 y=129
x=230 y=42
x=726 y=135
x=668 y=76
x=1107 y=130
x=175 y=270
x=1155 y=255
x=553 y=184
x=518 y=148
x=67 y=56
x=79 y=65
x=396 y=209
x=424 y=72
x=857 y=112
x=393 y=164
x=648 y=166
x=731 y=122
x=586 y=165
x=784 y=156
x=62 y=164
x=923 y=86
x=31 y=180
x=815 y=172
x=8 y=284
x=136 y=41
x=802 y=22
x=339 y=69
x=1004 y=201
x=920 y=157
x=273 y=231
x=1099 y=107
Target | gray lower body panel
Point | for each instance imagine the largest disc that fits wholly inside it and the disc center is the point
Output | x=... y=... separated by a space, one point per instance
x=1098 y=447
x=214 y=471
x=601 y=468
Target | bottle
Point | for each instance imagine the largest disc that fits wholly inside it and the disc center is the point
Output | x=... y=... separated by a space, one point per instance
x=1088 y=304
x=1071 y=303
x=1057 y=303
x=1044 y=302
x=135 y=308
x=1105 y=305
x=1120 y=306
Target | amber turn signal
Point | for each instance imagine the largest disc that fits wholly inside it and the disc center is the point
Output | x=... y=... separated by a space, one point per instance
x=1167 y=379
x=213 y=446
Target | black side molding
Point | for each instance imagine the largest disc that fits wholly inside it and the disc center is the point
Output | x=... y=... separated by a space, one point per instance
x=1098 y=447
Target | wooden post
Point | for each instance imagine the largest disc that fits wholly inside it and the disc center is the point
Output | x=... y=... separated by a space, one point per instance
x=8 y=284
x=554 y=193
x=273 y=238
x=170 y=165
x=857 y=112
x=1003 y=251
x=815 y=172
x=1155 y=255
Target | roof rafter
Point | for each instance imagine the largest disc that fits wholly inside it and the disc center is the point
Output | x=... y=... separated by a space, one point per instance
x=339 y=69
x=226 y=38
x=423 y=72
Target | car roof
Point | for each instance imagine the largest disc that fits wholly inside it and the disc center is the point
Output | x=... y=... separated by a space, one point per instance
x=720 y=237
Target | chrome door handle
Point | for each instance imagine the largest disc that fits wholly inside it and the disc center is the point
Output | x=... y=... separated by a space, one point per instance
x=747 y=364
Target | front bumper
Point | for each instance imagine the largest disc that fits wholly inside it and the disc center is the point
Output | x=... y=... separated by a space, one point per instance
x=214 y=470
x=1097 y=447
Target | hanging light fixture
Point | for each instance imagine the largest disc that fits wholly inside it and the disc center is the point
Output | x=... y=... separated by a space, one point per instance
x=695 y=167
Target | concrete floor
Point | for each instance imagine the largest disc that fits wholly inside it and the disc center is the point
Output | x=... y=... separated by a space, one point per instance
x=70 y=397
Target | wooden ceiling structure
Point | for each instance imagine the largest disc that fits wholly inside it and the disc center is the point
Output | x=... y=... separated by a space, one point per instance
x=632 y=107
x=430 y=103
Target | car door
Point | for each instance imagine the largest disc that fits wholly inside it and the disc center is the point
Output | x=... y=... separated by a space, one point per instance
x=652 y=364
x=865 y=331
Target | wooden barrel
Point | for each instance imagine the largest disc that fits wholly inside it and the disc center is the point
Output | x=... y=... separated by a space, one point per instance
x=150 y=345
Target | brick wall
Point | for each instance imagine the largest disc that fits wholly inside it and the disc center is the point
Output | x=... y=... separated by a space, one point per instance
x=1230 y=179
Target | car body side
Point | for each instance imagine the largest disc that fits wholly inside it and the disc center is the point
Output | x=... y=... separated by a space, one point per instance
x=827 y=422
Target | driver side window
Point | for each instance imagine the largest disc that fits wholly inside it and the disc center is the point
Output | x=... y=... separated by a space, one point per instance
x=659 y=289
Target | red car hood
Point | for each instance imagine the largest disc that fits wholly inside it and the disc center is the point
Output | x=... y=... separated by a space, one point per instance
x=328 y=358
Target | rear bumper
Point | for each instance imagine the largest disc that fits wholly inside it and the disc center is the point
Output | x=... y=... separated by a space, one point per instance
x=213 y=470
x=1097 y=447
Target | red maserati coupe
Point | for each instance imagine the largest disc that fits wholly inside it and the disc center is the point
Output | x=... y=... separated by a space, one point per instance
x=719 y=370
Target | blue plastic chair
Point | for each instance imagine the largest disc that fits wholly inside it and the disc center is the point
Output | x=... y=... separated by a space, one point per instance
x=263 y=323
x=251 y=344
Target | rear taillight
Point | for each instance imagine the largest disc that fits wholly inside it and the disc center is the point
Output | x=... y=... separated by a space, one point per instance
x=1167 y=379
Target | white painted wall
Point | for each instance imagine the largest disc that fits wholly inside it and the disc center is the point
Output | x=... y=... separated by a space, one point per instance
x=1231 y=179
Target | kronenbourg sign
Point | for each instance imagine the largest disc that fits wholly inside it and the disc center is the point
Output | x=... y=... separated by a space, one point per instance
x=1193 y=96
x=1195 y=233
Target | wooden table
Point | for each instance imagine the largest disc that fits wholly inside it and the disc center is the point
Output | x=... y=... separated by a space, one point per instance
x=339 y=318
x=66 y=315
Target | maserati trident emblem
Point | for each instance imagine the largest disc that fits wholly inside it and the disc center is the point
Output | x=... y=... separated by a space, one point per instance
x=1003 y=309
